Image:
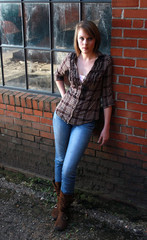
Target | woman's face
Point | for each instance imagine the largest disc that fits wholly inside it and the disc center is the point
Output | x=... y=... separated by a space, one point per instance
x=86 y=43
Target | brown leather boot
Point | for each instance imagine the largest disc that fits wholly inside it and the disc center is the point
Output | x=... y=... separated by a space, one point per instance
x=57 y=187
x=65 y=201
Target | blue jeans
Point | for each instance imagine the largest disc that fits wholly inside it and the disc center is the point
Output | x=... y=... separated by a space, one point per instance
x=70 y=144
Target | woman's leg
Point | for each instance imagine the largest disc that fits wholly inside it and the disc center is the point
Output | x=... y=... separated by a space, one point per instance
x=78 y=141
x=61 y=133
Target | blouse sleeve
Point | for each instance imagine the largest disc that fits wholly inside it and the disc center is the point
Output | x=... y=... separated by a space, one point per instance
x=62 y=71
x=107 y=91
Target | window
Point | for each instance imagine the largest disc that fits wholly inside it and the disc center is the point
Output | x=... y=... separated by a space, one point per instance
x=35 y=36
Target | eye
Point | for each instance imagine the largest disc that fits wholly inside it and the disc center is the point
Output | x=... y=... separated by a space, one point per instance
x=81 y=38
x=90 y=38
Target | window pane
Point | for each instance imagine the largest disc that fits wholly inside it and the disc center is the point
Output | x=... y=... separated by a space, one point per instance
x=65 y=17
x=101 y=15
x=0 y=74
x=37 y=24
x=39 y=70
x=11 y=23
x=14 y=67
x=58 y=58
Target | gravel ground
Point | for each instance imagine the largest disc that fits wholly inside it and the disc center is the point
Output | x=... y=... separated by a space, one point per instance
x=25 y=215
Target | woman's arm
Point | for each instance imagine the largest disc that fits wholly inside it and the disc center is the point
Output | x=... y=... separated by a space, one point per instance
x=104 y=136
x=61 y=87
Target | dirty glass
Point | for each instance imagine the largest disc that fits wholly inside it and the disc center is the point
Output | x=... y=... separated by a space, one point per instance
x=39 y=70
x=37 y=25
x=0 y=74
x=58 y=58
x=14 y=67
x=100 y=13
x=65 y=17
x=11 y=23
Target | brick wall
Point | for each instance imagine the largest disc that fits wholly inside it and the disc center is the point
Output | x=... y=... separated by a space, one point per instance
x=116 y=171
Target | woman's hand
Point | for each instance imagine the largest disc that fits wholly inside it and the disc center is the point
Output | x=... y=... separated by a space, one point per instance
x=104 y=136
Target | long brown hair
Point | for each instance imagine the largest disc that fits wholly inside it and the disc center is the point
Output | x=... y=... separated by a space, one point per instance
x=92 y=30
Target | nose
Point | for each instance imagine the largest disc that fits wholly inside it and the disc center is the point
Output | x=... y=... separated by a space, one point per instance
x=85 y=41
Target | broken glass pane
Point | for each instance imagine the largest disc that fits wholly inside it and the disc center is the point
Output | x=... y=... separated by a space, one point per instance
x=101 y=14
x=37 y=24
x=39 y=70
x=14 y=67
x=11 y=23
x=65 y=18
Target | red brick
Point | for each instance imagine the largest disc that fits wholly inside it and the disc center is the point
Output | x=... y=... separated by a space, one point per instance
x=143 y=43
x=126 y=130
x=118 y=136
x=144 y=100
x=143 y=3
x=135 y=13
x=48 y=115
x=30 y=118
x=120 y=104
x=135 y=33
x=125 y=145
x=144 y=117
x=136 y=107
x=117 y=70
x=6 y=97
x=46 y=121
x=13 y=114
x=22 y=122
x=54 y=104
x=139 y=132
x=13 y=127
x=8 y=132
x=138 y=140
x=138 y=23
x=6 y=119
x=2 y=112
x=19 y=109
x=125 y=80
x=122 y=3
x=18 y=98
x=41 y=127
x=3 y=106
x=47 y=135
x=139 y=124
x=116 y=32
x=123 y=23
x=30 y=131
x=138 y=81
x=117 y=120
x=135 y=155
x=145 y=165
x=123 y=62
x=144 y=150
x=116 y=13
x=128 y=114
x=139 y=90
x=26 y=136
x=12 y=99
x=28 y=111
x=10 y=108
x=121 y=88
x=116 y=52
x=141 y=63
x=123 y=42
x=135 y=53
x=38 y=113
x=135 y=72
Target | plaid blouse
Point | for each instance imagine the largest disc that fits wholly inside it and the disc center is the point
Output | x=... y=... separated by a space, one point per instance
x=81 y=102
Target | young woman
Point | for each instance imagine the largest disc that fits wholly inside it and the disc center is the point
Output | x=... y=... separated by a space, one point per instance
x=89 y=73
